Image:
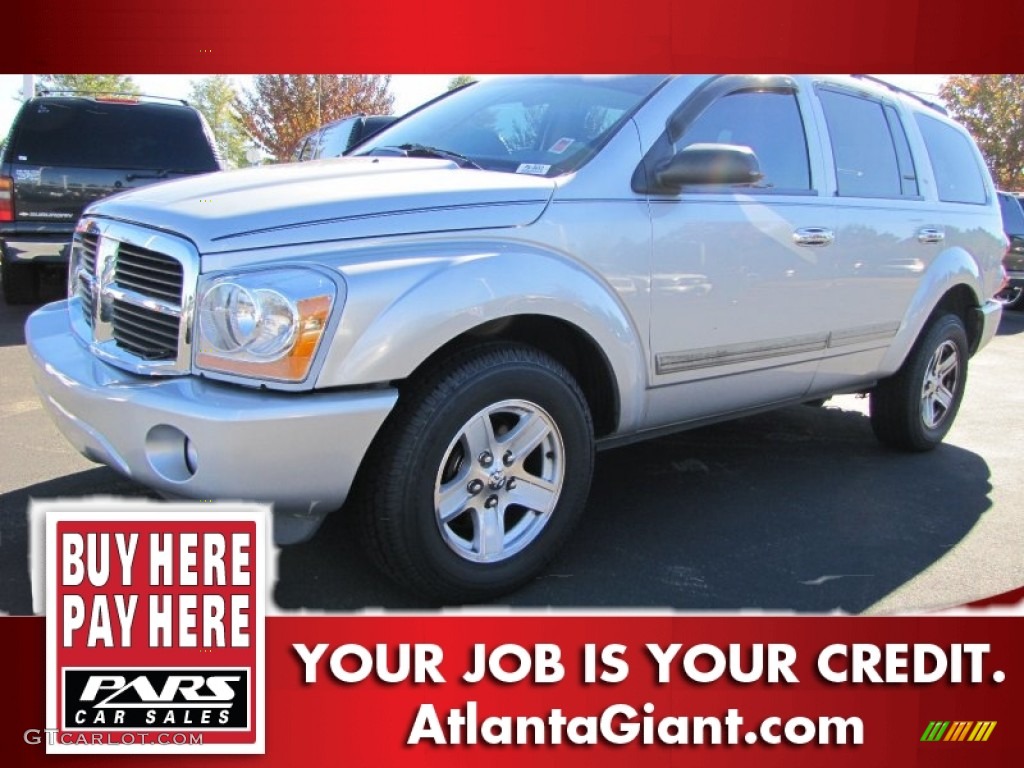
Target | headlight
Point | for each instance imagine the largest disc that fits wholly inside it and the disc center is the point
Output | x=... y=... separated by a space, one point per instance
x=264 y=324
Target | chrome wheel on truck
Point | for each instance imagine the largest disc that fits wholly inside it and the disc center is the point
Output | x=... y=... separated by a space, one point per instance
x=941 y=381
x=500 y=481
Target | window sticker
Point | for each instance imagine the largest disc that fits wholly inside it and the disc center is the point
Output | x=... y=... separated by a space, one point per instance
x=28 y=175
x=561 y=145
x=535 y=169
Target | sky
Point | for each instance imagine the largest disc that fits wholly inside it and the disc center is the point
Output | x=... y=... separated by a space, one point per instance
x=409 y=90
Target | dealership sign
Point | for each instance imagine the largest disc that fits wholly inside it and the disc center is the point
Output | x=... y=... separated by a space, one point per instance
x=154 y=627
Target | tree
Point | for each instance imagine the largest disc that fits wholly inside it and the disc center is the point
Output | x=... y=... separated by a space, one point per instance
x=460 y=80
x=281 y=109
x=992 y=108
x=215 y=97
x=91 y=83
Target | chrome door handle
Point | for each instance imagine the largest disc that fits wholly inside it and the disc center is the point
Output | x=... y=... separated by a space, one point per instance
x=814 y=236
x=930 y=235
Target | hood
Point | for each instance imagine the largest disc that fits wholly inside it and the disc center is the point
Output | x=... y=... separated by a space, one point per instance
x=340 y=199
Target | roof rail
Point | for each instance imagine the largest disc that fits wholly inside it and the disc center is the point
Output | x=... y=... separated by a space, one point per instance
x=896 y=89
x=75 y=92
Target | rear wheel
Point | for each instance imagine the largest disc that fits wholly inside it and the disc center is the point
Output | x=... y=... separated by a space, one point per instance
x=20 y=283
x=914 y=409
x=479 y=475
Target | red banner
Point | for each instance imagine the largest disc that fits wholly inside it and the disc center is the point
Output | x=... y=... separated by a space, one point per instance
x=665 y=691
x=193 y=36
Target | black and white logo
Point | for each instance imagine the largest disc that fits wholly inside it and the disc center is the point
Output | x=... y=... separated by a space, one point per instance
x=139 y=699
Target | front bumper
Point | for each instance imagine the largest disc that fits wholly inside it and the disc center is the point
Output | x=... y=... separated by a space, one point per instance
x=191 y=438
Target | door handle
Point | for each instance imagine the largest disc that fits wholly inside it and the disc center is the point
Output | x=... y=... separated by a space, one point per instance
x=819 y=236
x=930 y=235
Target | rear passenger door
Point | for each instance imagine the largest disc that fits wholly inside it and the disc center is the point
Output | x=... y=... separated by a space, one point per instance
x=886 y=235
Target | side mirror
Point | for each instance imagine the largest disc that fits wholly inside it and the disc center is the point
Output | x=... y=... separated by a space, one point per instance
x=709 y=164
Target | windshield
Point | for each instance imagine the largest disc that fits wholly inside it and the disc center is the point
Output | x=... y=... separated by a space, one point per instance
x=544 y=126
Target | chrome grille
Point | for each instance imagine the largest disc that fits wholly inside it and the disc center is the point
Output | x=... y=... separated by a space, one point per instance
x=85 y=279
x=89 y=243
x=144 y=332
x=136 y=290
x=148 y=273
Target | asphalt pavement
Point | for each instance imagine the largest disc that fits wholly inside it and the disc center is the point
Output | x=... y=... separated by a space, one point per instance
x=796 y=510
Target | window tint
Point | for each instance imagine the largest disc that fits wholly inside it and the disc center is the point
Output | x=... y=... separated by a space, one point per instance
x=91 y=134
x=957 y=175
x=337 y=138
x=862 y=146
x=1013 y=216
x=769 y=123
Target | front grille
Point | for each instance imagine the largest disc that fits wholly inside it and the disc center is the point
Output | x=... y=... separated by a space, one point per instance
x=89 y=244
x=148 y=273
x=135 y=300
x=144 y=332
x=85 y=279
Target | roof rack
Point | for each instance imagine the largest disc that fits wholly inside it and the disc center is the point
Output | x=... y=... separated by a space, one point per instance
x=75 y=92
x=896 y=89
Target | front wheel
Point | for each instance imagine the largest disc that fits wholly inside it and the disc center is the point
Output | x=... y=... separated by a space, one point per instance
x=479 y=475
x=914 y=409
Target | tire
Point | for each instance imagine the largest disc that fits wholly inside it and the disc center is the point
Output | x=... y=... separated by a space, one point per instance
x=456 y=502
x=914 y=409
x=1012 y=297
x=20 y=283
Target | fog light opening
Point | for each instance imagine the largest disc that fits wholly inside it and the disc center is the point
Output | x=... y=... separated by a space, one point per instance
x=171 y=454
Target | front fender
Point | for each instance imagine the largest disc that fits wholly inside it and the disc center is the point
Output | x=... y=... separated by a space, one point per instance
x=952 y=267
x=401 y=311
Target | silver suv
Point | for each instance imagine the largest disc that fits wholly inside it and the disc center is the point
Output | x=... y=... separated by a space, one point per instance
x=442 y=329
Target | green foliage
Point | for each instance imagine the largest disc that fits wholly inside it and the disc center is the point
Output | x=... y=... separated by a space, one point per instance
x=460 y=80
x=91 y=83
x=281 y=109
x=215 y=97
x=992 y=108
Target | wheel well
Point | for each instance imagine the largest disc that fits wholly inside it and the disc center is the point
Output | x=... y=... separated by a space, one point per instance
x=961 y=301
x=566 y=343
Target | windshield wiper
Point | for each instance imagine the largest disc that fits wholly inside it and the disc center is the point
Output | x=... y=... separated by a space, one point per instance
x=422 y=150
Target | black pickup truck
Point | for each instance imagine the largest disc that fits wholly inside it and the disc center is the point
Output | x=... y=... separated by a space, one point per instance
x=65 y=151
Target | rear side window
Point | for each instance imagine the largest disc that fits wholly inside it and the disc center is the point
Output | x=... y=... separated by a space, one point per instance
x=863 y=149
x=769 y=123
x=90 y=134
x=957 y=175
